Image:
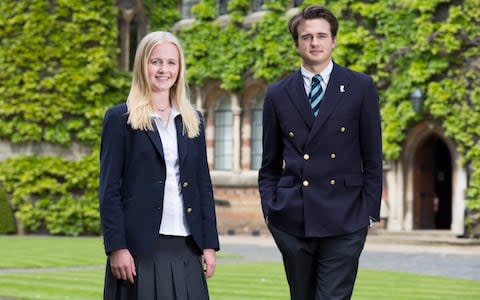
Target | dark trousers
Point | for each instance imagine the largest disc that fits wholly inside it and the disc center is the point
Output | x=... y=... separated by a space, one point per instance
x=320 y=268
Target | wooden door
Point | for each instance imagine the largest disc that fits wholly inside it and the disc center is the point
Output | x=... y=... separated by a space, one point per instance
x=424 y=185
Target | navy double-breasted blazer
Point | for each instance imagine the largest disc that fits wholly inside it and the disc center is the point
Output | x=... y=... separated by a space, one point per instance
x=321 y=176
x=132 y=182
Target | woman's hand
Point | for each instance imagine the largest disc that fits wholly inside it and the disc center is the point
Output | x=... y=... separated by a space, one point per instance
x=209 y=261
x=122 y=265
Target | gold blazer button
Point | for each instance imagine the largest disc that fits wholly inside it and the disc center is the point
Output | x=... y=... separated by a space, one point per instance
x=189 y=210
x=306 y=157
x=332 y=181
x=306 y=183
x=291 y=134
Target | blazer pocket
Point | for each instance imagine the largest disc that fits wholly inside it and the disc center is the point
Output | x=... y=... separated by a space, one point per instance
x=285 y=181
x=354 y=180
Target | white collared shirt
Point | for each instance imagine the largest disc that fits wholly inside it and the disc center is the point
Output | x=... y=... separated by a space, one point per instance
x=174 y=221
x=307 y=77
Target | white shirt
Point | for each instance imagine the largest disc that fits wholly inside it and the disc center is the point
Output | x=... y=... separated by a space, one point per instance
x=174 y=221
x=307 y=77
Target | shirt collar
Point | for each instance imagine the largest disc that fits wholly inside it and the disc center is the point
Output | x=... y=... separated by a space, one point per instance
x=325 y=73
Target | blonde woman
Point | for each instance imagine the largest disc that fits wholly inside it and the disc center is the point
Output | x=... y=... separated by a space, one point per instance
x=156 y=201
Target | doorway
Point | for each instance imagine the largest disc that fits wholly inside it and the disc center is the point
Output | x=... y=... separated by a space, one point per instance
x=432 y=185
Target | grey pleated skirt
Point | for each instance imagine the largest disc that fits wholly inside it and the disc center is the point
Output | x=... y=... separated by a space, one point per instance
x=173 y=271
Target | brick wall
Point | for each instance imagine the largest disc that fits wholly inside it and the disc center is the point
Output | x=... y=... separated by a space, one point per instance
x=239 y=211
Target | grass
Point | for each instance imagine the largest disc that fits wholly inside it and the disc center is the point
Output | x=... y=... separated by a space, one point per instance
x=260 y=281
x=47 y=251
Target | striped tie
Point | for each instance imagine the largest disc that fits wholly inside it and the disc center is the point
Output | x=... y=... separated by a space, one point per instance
x=316 y=93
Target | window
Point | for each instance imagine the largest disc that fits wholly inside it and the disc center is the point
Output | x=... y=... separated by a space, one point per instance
x=257 y=5
x=256 y=134
x=187 y=8
x=222 y=6
x=223 y=148
x=297 y=3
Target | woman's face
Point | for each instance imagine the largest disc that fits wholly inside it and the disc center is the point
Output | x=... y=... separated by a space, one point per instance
x=163 y=66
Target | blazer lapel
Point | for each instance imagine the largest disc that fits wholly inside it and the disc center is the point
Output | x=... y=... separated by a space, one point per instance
x=333 y=95
x=155 y=138
x=296 y=92
x=181 y=140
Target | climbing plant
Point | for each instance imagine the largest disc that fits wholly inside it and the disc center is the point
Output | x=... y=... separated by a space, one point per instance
x=431 y=45
x=58 y=75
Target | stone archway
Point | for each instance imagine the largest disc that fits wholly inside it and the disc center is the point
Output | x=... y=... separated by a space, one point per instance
x=432 y=185
x=426 y=185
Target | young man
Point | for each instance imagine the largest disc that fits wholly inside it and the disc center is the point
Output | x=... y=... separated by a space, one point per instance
x=321 y=175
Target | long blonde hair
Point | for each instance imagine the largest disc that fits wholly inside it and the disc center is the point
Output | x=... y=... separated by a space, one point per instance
x=139 y=101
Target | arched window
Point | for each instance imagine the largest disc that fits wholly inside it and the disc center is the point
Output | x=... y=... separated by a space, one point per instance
x=223 y=149
x=256 y=134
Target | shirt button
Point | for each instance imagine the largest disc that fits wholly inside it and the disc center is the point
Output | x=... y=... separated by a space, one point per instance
x=306 y=183
x=185 y=184
x=189 y=210
x=291 y=134
x=306 y=157
x=332 y=181
x=333 y=156
x=342 y=129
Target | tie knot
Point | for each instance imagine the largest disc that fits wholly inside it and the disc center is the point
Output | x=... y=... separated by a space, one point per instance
x=317 y=78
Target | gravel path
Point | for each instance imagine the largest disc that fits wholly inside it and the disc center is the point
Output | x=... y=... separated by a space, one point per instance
x=458 y=261
x=439 y=260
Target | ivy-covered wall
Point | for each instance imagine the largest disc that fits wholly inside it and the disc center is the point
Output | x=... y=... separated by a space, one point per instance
x=431 y=45
x=58 y=75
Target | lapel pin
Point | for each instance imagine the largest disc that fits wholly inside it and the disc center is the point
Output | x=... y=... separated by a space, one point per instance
x=342 y=88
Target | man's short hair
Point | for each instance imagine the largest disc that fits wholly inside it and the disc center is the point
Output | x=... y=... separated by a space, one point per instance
x=309 y=13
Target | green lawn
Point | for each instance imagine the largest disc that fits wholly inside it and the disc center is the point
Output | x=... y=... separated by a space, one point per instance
x=231 y=282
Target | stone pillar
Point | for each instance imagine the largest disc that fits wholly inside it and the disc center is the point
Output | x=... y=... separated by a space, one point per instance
x=127 y=15
x=394 y=178
x=459 y=184
x=246 y=147
x=236 y=111
x=210 y=137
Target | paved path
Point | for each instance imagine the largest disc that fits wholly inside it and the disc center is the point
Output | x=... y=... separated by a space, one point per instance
x=381 y=253
x=459 y=261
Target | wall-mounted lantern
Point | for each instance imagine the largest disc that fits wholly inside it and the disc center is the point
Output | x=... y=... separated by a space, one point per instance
x=417 y=100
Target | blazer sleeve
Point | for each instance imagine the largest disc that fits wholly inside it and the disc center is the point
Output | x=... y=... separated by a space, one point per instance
x=209 y=219
x=371 y=150
x=272 y=155
x=112 y=156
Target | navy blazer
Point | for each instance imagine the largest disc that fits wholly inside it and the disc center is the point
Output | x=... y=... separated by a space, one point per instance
x=321 y=176
x=132 y=182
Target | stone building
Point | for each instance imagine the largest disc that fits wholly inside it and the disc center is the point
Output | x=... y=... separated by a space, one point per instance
x=424 y=188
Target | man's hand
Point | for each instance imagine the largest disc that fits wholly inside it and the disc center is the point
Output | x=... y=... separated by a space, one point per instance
x=122 y=265
x=209 y=262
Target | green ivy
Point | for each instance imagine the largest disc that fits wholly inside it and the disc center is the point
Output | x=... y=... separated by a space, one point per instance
x=404 y=45
x=53 y=194
x=7 y=221
x=161 y=13
x=58 y=75
x=57 y=69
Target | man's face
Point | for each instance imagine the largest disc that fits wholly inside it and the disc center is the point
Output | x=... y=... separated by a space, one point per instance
x=315 y=44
